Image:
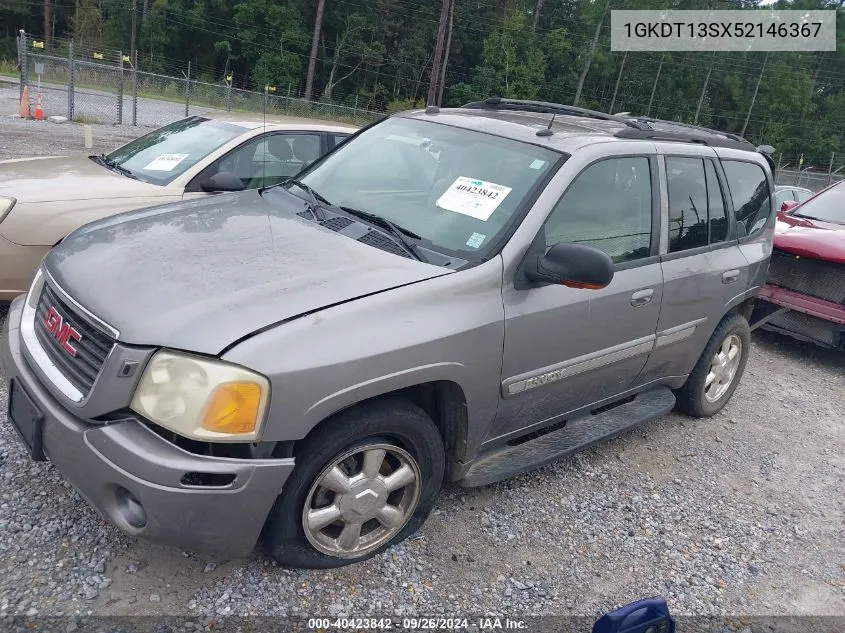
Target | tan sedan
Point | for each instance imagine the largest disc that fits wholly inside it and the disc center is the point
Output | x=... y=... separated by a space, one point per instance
x=44 y=199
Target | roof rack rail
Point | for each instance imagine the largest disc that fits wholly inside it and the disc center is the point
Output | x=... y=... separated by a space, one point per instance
x=645 y=119
x=520 y=105
x=730 y=139
x=692 y=136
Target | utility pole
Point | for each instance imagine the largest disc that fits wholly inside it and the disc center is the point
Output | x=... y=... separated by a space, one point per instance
x=438 y=53
x=704 y=88
x=618 y=79
x=590 y=54
x=538 y=6
x=446 y=57
x=654 y=87
x=134 y=12
x=754 y=98
x=48 y=25
x=315 y=40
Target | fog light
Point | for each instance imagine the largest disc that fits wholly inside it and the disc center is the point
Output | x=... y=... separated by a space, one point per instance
x=130 y=509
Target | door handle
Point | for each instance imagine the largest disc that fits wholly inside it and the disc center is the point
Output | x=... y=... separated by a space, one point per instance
x=642 y=297
x=730 y=276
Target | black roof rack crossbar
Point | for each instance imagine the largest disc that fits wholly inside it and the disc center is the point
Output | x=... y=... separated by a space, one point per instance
x=709 y=138
x=644 y=119
x=520 y=105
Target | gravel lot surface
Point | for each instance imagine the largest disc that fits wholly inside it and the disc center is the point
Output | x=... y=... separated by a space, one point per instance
x=96 y=106
x=739 y=514
x=25 y=139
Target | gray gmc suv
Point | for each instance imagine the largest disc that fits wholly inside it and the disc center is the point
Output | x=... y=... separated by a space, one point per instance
x=451 y=295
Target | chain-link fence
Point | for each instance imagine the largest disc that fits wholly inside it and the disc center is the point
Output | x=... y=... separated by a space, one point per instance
x=114 y=90
x=810 y=171
x=813 y=179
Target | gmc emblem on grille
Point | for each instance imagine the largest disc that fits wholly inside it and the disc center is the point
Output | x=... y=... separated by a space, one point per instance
x=61 y=330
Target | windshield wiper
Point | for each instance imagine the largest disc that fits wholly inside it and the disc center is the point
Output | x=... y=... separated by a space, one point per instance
x=112 y=164
x=314 y=199
x=808 y=217
x=395 y=230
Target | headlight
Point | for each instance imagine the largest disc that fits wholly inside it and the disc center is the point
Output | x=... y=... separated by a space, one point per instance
x=202 y=399
x=6 y=205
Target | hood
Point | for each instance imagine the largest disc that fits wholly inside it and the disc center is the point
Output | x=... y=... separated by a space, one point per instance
x=202 y=274
x=66 y=178
x=810 y=238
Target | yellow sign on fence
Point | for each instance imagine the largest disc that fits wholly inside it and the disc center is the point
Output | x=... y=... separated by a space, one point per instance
x=229 y=78
x=98 y=56
x=36 y=44
x=271 y=88
x=126 y=58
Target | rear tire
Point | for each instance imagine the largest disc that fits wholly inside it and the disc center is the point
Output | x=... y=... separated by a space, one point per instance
x=718 y=371
x=343 y=472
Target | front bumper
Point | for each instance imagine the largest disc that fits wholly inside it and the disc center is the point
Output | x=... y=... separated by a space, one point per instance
x=802 y=316
x=819 y=308
x=105 y=462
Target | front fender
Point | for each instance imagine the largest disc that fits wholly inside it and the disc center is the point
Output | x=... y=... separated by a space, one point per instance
x=381 y=385
x=449 y=328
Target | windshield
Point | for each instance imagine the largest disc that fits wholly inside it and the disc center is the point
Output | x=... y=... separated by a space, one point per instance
x=455 y=188
x=164 y=154
x=828 y=206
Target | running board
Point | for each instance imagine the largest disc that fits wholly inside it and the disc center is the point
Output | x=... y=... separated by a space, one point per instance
x=578 y=434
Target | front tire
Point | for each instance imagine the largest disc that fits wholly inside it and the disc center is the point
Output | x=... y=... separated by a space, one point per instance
x=364 y=480
x=718 y=371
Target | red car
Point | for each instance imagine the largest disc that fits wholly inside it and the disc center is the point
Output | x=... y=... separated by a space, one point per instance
x=806 y=282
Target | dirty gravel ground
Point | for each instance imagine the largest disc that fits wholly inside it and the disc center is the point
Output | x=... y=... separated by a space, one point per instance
x=739 y=514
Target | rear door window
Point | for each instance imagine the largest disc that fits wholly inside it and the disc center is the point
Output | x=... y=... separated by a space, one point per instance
x=687 y=185
x=715 y=205
x=751 y=196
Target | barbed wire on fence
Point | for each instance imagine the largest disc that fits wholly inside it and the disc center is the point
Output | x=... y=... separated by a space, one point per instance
x=104 y=86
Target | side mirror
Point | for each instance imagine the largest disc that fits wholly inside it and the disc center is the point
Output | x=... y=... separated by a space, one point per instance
x=788 y=205
x=223 y=181
x=643 y=616
x=571 y=265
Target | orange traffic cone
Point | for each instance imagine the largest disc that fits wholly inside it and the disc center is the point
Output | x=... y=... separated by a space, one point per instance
x=39 y=113
x=24 y=106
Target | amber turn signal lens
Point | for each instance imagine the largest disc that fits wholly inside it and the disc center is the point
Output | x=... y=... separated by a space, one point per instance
x=234 y=408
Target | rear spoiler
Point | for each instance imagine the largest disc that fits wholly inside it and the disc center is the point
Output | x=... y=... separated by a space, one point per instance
x=768 y=153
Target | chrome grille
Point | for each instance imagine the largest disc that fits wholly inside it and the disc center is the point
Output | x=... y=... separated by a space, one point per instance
x=91 y=349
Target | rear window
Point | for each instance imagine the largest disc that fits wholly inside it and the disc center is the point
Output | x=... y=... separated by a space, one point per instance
x=166 y=153
x=749 y=190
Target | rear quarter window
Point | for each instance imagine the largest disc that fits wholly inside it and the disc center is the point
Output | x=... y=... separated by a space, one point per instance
x=749 y=190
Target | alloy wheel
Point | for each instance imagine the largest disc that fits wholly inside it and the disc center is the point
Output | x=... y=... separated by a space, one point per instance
x=723 y=368
x=361 y=500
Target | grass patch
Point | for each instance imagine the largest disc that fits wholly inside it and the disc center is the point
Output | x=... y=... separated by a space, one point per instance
x=85 y=120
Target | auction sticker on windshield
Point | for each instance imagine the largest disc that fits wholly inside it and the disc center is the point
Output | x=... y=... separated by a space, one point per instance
x=166 y=162
x=475 y=198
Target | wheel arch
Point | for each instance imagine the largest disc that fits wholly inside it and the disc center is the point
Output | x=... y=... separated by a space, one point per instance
x=443 y=400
